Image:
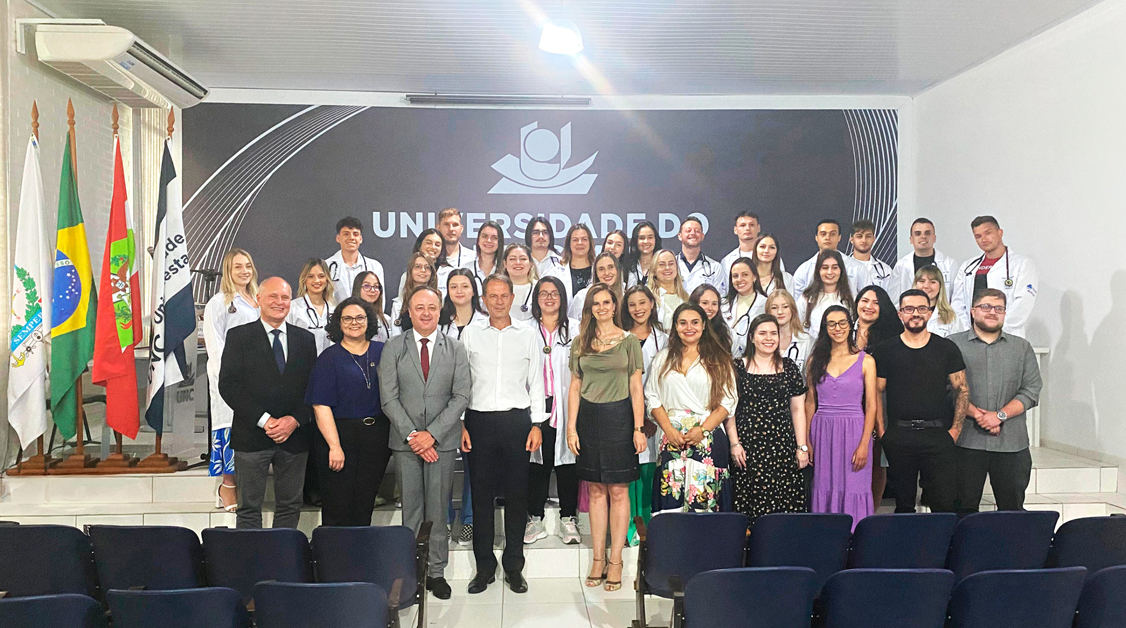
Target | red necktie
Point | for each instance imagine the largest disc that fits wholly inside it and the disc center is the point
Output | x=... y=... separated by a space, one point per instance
x=425 y=359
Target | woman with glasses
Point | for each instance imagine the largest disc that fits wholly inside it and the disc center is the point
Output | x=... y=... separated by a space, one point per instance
x=352 y=449
x=842 y=402
x=431 y=245
x=708 y=298
x=829 y=286
x=607 y=270
x=944 y=322
x=422 y=273
x=369 y=289
x=643 y=245
x=744 y=301
x=665 y=283
x=521 y=270
x=539 y=237
x=313 y=304
x=490 y=244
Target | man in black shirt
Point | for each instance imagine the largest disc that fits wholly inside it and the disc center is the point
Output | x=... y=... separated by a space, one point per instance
x=916 y=369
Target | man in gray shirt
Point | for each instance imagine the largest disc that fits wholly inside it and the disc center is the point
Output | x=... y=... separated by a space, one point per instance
x=1004 y=382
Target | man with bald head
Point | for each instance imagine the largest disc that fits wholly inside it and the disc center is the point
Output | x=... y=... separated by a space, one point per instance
x=266 y=367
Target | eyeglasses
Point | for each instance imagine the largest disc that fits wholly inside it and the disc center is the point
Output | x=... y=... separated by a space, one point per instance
x=837 y=325
x=540 y=232
x=985 y=308
x=367 y=287
x=353 y=320
x=921 y=309
x=549 y=295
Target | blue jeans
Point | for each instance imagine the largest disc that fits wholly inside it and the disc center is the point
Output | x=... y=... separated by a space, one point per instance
x=466 y=498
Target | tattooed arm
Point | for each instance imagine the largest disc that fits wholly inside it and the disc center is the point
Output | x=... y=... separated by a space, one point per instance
x=961 y=402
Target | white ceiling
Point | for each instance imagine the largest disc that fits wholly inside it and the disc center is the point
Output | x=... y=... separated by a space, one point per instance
x=895 y=47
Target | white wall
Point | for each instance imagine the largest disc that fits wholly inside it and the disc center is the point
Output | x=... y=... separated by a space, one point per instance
x=1037 y=137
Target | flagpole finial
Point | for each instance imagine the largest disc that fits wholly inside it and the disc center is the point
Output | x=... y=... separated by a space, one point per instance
x=35 y=119
x=171 y=121
x=70 y=114
x=114 y=116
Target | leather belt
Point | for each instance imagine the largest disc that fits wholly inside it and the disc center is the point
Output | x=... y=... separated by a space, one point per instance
x=919 y=425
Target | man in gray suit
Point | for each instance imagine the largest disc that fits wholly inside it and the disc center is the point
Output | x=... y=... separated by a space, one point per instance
x=424 y=390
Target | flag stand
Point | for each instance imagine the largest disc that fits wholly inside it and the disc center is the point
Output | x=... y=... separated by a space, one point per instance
x=79 y=461
x=37 y=464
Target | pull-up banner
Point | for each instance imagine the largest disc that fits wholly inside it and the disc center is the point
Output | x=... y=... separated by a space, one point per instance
x=274 y=179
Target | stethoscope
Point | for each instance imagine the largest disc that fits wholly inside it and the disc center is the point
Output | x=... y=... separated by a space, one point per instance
x=793 y=352
x=333 y=271
x=708 y=270
x=233 y=309
x=547 y=343
x=524 y=307
x=879 y=267
x=972 y=269
x=311 y=314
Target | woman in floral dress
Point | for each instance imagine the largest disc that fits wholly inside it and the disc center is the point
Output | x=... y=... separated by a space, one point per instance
x=690 y=394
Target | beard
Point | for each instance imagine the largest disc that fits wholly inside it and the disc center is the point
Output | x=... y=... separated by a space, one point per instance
x=915 y=325
x=987 y=327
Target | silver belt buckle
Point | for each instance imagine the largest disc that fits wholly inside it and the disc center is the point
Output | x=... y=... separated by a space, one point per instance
x=369 y=420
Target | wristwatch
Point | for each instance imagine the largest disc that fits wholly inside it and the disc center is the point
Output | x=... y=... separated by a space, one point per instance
x=1001 y=415
x=804 y=448
x=639 y=429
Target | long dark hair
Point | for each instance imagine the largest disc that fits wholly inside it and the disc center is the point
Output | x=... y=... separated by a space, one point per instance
x=441 y=261
x=654 y=318
x=819 y=356
x=733 y=294
x=494 y=225
x=713 y=355
x=635 y=253
x=539 y=220
x=567 y=244
x=333 y=329
x=887 y=325
x=817 y=287
x=759 y=320
x=775 y=265
x=449 y=310
x=717 y=324
x=588 y=328
x=625 y=243
x=404 y=320
x=537 y=313
x=377 y=306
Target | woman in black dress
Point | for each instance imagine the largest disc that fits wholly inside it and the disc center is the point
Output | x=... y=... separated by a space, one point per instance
x=771 y=425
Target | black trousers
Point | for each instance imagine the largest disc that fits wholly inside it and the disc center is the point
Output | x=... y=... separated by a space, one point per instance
x=539 y=479
x=929 y=452
x=498 y=467
x=1009 y=473
x=348 y=495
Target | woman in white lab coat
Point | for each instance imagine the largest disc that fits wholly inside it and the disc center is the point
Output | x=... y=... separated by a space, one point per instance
x=666 y=285
x=744 y=301
x=313 y=303
x=944 y=320
x=768 y=264
x=421 y=273
x=829 y=286
x=370 y=290
x=521 y=269
x=235 y=304
x=607 y=270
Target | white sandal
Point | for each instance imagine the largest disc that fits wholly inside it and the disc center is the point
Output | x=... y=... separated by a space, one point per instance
x=219 y=498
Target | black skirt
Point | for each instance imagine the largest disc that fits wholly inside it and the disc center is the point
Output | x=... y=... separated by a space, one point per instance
x=606 y=452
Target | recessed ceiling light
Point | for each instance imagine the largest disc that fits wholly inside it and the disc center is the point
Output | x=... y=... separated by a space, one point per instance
x=561 y=37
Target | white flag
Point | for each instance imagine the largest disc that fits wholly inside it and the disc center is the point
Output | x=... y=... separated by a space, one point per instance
x=30 y=320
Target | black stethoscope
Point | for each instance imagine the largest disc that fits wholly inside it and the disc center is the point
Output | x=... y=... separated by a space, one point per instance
x=311 y=314
x=793 y=352
x=879 y=267
x=708 y=270
x=972 y=269
x=524 y=308
x=547 y=344
x=333 y=271
x=234 y=309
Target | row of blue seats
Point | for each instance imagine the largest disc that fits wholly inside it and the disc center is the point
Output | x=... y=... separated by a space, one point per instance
x=825 y=544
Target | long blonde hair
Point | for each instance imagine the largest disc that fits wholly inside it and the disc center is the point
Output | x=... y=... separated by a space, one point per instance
x=784 y=295
x=942 y=303
x=533 y=271
x=653 y=284
x=227 y=282
x=310 y=264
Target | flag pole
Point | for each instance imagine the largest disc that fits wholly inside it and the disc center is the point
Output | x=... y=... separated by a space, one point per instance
x=79 y=461
x=37 y=464
x=160 y=462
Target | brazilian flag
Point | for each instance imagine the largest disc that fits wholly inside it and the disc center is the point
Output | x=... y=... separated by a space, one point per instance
x=74 y=304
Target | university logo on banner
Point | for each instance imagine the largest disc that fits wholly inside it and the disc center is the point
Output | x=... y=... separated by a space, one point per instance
x=542 y=167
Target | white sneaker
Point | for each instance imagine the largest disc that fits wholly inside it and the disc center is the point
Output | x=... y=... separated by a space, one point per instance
x=569 y=530
x=534 y=531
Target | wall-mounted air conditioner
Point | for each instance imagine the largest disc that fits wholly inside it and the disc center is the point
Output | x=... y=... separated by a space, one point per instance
x=115 y=62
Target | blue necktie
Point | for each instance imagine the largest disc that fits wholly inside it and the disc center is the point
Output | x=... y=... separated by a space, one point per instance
x=279 y=352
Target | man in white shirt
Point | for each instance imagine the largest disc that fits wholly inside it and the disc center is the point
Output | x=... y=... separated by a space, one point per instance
x=696 y=268
x=449 y=225
x=1001 y=269
x=828 y=236
x=923 y=253
x=506 y=406
x=540 y=238
x=345 y=264
x=863 y=238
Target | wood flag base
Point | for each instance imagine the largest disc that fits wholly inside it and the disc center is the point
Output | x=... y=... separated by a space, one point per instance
x=35 y=465
x=160 y=463
x=76 y=463
x=117 y=463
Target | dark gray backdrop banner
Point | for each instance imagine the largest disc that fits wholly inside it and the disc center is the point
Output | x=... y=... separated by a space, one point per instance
x=274 y=179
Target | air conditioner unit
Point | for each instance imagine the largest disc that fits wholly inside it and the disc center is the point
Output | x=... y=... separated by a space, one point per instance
x=115 y=62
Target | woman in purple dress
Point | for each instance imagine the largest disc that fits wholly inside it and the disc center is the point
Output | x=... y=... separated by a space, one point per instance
x=842 y=402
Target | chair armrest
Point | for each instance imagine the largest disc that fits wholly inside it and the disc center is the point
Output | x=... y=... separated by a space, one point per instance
x=395 y=594
x=639 y=523
x=677 y=619
x=423 y=537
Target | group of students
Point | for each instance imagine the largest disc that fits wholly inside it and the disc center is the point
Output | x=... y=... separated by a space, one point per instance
x=667 y=382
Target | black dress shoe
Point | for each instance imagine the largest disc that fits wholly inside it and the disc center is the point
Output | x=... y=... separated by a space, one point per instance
x=516 y=582
x=439 y=587
x=481 y=581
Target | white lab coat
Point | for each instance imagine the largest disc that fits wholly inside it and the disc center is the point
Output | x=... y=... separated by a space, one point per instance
x=879 y=273
x=903 y=276
x=787 y=284
x=823 y=302
x=217 y=321
x=857 y=274
x=729 y=260
x=1020 y=297
x=303 y=314
x=550 y=262
x=521 y=310
x=479 y=318
x=563 y=273
x=667 y=302
x=740 y=325
x=945 y=329
x=656 y=341
x=801 y=344
x=443 y=275
x=396 y=312
x=706 y=271
x=560 y=358
x=343 y=275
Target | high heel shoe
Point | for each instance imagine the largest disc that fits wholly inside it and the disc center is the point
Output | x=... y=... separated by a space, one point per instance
x=591 y=581
x=613 y=585
x=219 y=499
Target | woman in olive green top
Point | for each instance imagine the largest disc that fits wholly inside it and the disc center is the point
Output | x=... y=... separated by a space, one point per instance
x=607 y=410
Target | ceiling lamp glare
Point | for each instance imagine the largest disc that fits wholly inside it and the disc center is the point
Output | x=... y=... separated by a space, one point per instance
x=561 y=37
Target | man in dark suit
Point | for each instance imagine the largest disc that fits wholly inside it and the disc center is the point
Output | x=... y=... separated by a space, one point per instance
x=266 y=367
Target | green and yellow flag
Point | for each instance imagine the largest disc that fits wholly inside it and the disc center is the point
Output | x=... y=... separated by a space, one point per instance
x=74 y=304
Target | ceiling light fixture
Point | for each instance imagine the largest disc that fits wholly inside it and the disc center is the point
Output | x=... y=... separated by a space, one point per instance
x=561 y=37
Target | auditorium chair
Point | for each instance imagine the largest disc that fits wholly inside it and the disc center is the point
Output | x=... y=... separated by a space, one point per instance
x=332 y=605
x=990 y=541
x=815 y=540
x=1092 y=542
x=147 y=557
x=1017 y=598
x=750 y=597
x=66 y=610
x=240 y=559
x=887 y=598
x=902 y=541
x=676 y=546
x=1103 y=601
x=209 y=607
x=46 y=560
x=391 y=557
